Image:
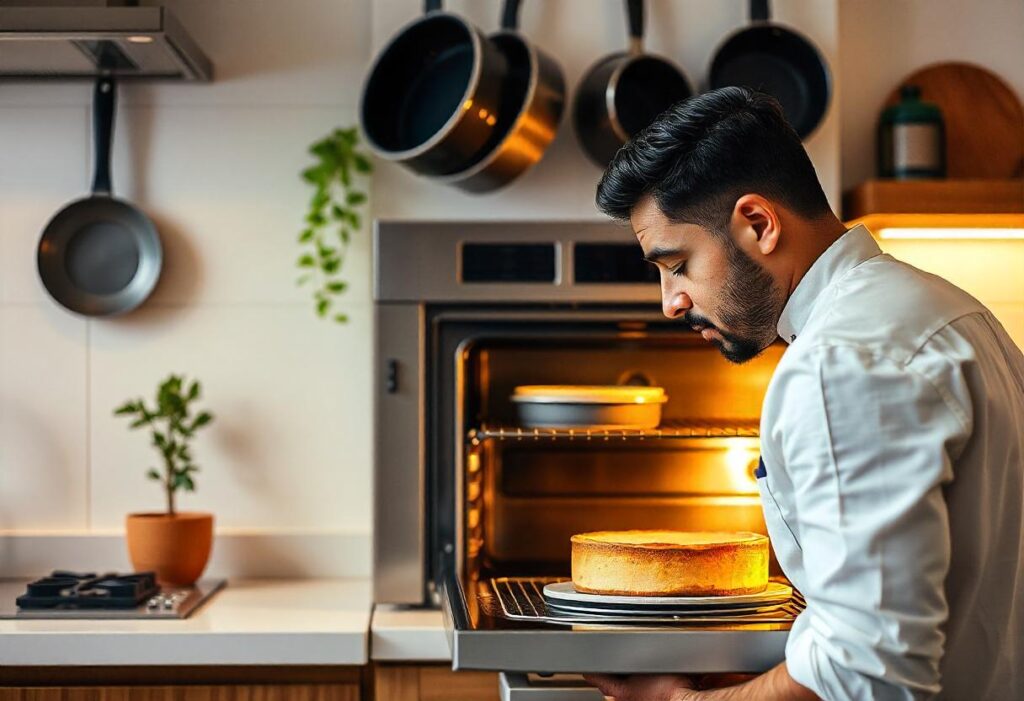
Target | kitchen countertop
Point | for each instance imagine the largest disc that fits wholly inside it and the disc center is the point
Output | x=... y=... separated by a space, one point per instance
x=408 y=634
x=269 y=621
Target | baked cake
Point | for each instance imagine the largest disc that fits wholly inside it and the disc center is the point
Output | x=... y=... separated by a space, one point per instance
x=669 y=563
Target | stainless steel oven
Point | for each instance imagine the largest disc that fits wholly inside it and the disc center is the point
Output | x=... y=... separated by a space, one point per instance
x=474 y=513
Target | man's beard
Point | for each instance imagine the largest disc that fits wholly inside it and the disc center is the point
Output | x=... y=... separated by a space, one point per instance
x=750 y=307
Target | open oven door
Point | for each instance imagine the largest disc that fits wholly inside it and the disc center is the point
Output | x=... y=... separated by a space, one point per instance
x=482 y=636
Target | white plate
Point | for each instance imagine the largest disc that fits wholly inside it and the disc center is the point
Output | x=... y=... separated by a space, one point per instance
x=775 y=592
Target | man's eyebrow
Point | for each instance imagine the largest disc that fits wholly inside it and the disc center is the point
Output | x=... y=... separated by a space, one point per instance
x=658 y=253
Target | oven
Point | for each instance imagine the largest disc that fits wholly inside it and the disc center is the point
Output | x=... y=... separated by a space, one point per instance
x=473 y=512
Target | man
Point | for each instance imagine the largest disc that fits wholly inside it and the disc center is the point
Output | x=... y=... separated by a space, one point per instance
x=892 y=432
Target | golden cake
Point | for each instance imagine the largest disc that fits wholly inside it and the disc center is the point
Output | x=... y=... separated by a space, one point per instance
x=669 y=563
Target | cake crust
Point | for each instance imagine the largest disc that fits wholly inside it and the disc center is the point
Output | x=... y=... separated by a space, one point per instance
x=669 y=563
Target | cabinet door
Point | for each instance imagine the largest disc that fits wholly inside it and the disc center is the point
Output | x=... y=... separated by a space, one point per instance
x=432 y=683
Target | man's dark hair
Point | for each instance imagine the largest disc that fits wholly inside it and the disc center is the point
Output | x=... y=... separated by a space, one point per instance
x=702 y=154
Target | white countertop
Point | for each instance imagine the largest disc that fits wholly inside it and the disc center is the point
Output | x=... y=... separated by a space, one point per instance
x=279 y=622
x=399 y=633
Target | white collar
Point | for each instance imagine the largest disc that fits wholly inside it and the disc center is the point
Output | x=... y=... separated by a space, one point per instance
x=847 y=252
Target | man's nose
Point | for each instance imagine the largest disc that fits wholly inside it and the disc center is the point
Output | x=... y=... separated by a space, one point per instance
x=675 y=303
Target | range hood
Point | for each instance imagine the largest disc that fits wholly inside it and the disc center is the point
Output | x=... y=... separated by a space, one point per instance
x=83 y=39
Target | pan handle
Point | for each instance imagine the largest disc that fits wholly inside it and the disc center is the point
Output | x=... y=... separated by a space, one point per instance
x=431 y=6
x=510 y=15
x=635 y=15
x=759 y=11
x=103 y=126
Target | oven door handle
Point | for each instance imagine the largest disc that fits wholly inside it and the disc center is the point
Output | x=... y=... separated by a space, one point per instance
x=518 y=686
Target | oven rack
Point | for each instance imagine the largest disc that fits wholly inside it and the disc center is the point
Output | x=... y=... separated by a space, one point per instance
x=669 y=429
x=521 y=598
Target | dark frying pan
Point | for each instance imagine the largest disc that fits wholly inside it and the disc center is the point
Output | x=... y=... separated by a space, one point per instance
x=431 y=99
x=531 y=106
x=100 y=256
x=623 y=93
x=779 y=61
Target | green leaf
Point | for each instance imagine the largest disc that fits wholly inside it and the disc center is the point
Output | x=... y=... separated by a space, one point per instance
x=126 y=408
x=306 y=261
x=319 y=199
x=344 y=234
x=362 y=163
x=331 y=265
x=355 y=198
x=338 y=212
x=303 y=280
x=322 y=306
x=139 y=422
x=316 y=175
x=354 y=220
x=341 y=318
x=316 y=218
x=336 y=287
x=306 y=236
x=193 y=390
x=201 y=420
x=153 y=474
x=322 y=148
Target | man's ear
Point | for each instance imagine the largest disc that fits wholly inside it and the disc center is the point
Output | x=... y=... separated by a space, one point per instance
x=756 y=222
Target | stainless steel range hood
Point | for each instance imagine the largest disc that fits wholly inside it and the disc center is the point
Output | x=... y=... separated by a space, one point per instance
x=82 y=40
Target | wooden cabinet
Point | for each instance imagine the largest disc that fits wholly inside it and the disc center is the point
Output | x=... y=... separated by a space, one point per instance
x=432 y=683
x=214 y=683
x=250 y=692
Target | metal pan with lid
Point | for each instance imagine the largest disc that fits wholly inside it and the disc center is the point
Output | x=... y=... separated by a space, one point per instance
x=100 y=256
x=589 y=406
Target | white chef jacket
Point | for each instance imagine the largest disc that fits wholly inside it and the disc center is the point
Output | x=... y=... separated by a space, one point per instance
x=893 y=482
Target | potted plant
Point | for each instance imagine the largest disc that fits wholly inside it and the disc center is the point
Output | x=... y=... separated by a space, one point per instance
x=173 y=544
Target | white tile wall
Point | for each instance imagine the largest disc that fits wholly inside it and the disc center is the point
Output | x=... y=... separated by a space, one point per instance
x=43 y=419
x=216 y=166
x=289 y=445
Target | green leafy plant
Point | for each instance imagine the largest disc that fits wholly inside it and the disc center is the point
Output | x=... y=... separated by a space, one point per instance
x=173 y=414
x=333 y=215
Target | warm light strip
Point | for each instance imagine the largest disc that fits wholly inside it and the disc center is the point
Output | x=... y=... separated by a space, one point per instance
x=949 y=233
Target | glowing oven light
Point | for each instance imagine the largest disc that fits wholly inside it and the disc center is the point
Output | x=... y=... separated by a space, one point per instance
x=740 y=462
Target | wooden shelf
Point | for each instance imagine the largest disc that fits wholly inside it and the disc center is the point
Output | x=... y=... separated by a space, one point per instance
x=934 y=197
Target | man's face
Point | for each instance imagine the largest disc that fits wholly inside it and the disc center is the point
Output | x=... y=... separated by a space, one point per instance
x=709 y=283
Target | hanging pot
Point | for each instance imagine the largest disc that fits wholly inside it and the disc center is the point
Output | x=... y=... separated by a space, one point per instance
x=779 y=61
x=431 y=98
x=623 y=93
x=533 y=97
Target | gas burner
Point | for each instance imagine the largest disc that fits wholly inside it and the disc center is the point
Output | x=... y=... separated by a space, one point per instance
x=89 y=595
x=63 y=589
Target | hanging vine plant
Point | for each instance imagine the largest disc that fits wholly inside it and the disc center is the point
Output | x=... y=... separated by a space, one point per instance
x=333 y=216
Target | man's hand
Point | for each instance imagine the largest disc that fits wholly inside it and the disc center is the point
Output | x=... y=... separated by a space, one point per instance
x=643 y=687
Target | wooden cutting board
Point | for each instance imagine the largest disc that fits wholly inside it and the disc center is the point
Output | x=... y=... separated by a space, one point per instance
x=984 y=119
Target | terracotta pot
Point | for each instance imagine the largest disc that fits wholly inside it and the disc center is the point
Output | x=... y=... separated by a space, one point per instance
x=176 y=546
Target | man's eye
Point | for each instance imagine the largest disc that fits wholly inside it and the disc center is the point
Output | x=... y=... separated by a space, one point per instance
x=679 y=269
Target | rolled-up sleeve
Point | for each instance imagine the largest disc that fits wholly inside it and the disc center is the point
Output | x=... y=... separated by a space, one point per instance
x=865 y=443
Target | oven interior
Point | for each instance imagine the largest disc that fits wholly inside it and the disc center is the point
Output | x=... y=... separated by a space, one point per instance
x=521 y=493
